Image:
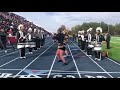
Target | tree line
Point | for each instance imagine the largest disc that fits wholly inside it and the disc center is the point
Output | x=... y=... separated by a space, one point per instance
x=113 y=29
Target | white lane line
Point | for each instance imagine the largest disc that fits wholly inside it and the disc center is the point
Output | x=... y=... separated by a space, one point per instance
x=113 y=61
x=74 y=62
x=15 y=59
x=10 y=69
x=64 y=73
x=95 y=62
x=8 y=54
x=11 y=61
x=4 y=50
x=51 y=67
x=32 y=61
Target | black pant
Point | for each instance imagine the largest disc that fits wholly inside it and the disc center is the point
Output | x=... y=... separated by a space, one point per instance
x=108 y=44
x=97 y=54
x=38 y=43
x=35 y=40
x=3 y=44
x=42 y=42
x=22 y=52
x=86 y=46
x=89 y=51
x=79 y=43
x=83 y=45
x=30 y=49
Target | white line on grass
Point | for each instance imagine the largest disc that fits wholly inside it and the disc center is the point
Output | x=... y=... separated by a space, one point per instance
x=95 y=62
x=32 y=61
x=74 y=62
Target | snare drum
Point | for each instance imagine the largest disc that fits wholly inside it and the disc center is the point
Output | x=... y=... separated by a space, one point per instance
x=27 y=45
x=20 y=45
x=32 y=44
x=90 y=46
x=97 y=48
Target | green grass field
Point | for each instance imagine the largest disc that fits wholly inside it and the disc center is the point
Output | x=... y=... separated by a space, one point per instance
x=114 y=51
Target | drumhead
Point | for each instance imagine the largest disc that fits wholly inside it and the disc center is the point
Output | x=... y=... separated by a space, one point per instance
x=90 y=46
x=97 y=48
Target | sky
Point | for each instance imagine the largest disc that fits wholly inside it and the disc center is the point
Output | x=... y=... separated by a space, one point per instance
x=51 y=21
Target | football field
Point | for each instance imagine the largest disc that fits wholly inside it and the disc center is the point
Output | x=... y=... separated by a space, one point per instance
x=114 y=51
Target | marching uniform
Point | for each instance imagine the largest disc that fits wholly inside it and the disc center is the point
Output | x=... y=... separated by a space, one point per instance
x=21 y=41
x=79 y=38
x=98 y=40
x=83 y=41
x=35 y=39
x=30 y=42
x=89 y=43
x=42 y=39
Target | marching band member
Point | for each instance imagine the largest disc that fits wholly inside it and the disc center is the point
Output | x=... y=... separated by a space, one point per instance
x=31 y=44
x=35 y=38
x=86 y=40
x=99 y=38
x=79 y=38
x=89 y=41
x=83 y=41
x=42 y=38
x=21 y=39
x=39 y=38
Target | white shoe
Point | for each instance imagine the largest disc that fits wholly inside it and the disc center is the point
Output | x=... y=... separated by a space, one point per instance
x=24 y=57
x=31 y=52
x=99 y=59
x=90 y=55
x=5 y=51
x=87 y=55
x=21 y=57
x=95 y=58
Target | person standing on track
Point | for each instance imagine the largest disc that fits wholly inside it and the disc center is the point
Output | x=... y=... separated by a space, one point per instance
x=108 y=37
x=79 y=39
x=61 y=46
x=89 y=41
x=3 y=39
x=83 y=41
x=42 y=38
x=99 y=38
x=21 y=40
x=30 y=40
x=35 y=38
